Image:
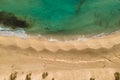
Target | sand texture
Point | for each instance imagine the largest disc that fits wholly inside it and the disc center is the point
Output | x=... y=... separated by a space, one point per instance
x=97 y=58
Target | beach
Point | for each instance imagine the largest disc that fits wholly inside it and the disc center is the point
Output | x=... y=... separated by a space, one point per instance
x=60 y=40
x=63 y=60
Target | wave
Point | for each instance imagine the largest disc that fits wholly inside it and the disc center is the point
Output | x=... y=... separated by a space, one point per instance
x=18 y=32
x=78 y=38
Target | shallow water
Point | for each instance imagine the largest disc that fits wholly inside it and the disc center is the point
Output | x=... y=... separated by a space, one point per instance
x=67 y=16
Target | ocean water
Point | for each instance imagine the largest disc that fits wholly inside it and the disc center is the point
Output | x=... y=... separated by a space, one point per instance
x=81 y=17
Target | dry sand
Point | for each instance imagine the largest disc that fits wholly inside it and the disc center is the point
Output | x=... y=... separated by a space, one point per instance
x=73 y=60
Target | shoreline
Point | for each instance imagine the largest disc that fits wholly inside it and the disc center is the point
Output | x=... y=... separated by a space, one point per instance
x=61 y=59
x=73 y=49
x=20 y=32
x=73 y=43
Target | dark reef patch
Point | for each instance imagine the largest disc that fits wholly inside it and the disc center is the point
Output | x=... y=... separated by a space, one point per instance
x=81 y=2
x=9 y=19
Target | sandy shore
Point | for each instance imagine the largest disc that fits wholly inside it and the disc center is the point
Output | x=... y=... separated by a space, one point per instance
x=63 y=60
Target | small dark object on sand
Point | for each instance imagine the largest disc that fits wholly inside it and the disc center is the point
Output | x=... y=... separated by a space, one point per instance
x=44 y=75
x=28 y=76
x=53 y=79
x=117 y=75
x=13 y=76
x=92 y=78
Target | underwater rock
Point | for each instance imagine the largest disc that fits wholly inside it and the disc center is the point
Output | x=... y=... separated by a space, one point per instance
x=81 y=2
x=9 y=19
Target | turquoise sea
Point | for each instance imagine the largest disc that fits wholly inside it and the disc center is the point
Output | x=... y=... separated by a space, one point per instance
x=66 y=16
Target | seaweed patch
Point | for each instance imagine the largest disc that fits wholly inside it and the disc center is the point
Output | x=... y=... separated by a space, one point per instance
x=9 y=19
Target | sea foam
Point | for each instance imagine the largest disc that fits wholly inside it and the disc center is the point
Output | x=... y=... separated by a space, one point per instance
x=18 y=32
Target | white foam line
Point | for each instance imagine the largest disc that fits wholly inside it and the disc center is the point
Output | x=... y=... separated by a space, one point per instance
x=84 y=38
x=19 y=32
x=52 y=40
